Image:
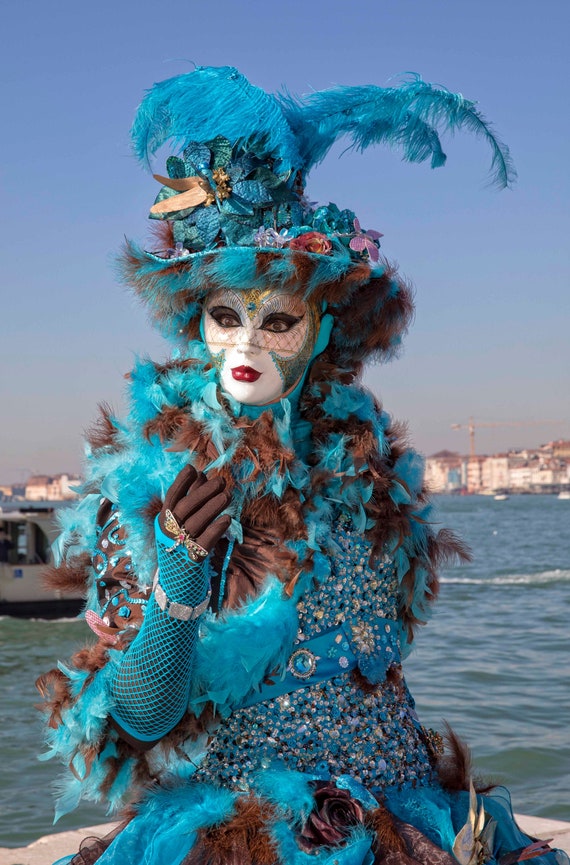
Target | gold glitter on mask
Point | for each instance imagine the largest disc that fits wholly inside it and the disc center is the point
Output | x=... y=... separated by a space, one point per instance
x=253 y=299
x=291 y=366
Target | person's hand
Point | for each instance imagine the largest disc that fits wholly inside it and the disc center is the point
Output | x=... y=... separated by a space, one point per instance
x=196 y=503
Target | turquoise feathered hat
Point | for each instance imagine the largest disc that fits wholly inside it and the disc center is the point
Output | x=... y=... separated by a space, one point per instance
x=232 y=207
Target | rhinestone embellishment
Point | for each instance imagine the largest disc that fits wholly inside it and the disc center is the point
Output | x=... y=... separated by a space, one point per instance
x=302 y=663
x=332 y=727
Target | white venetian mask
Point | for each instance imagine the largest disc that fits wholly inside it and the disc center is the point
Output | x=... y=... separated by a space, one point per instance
x=260 y=341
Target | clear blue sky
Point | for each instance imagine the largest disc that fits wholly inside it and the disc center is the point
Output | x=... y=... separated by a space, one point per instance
x=491 y=269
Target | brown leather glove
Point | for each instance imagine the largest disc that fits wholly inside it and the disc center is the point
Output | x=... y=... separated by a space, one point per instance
x=196 y=503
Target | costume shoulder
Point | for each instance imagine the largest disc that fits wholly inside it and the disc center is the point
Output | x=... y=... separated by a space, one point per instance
x=407 y=522
x=379 y=478
x=125 y=465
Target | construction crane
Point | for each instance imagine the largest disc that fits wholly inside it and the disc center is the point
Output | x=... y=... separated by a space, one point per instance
x=472 y=424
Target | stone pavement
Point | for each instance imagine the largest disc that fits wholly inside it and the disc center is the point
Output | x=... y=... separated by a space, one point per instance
x=48 y=849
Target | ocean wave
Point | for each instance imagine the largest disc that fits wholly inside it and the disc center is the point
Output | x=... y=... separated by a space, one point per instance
x=558 y=575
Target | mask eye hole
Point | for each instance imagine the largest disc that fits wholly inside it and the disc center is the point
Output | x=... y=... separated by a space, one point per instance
x=280 y=322
x=225 y=317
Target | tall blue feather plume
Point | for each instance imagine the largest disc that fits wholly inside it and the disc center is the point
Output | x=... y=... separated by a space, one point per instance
x=208 y=102
x=299 y=132
x=406 y=117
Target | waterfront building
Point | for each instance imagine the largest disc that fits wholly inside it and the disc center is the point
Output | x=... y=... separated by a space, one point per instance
x=53 y=488
x=495 y=473
x=545 y=469
x=561 y=449
x=475 y=474
x=445 y=472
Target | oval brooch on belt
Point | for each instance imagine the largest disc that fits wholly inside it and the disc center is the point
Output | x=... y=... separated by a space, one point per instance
x=302 y=663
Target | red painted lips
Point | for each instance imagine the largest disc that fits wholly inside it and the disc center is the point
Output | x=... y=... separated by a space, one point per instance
x=245 y=373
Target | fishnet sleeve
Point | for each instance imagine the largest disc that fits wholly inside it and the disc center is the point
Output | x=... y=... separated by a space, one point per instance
x=152 y=684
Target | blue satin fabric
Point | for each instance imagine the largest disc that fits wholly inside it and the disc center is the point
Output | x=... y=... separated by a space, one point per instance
x=330 y=654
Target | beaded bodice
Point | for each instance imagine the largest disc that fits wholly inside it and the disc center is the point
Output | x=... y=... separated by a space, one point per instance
x=334 y=727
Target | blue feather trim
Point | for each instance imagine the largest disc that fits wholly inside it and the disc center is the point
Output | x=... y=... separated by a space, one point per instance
x=232 y=659
x=246 y=644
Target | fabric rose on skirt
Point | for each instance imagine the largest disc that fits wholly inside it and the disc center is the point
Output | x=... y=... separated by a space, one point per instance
x=335 y=813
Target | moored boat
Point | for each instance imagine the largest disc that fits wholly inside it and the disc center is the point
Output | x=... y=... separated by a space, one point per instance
x=26 y=535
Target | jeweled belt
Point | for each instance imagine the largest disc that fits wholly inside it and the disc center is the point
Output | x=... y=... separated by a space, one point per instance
x=313 y=661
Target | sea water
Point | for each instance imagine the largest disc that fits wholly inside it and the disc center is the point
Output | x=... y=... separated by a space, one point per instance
x=494 y=662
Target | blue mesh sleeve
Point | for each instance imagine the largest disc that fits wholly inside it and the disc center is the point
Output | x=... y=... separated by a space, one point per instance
x=152 y=684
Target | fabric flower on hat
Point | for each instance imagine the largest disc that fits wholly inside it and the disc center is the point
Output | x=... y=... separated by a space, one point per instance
x=366 y=241
x=268 y=237
x=329 y=219
x=214 y=192
x=312 y=241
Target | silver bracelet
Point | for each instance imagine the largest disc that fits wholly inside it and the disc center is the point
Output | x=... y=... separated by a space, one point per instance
x=176 y=610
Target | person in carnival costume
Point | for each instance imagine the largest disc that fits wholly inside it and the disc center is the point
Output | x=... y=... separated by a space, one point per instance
x=254 y=539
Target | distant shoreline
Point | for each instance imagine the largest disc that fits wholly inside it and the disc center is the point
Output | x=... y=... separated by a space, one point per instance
x=489 y=494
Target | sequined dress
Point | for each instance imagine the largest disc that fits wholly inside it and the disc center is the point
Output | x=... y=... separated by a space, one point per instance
x=342 y=719
x=332 y=728
x=334 y=724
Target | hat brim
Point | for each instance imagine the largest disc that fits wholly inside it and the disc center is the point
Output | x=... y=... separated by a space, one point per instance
x=371 y=305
